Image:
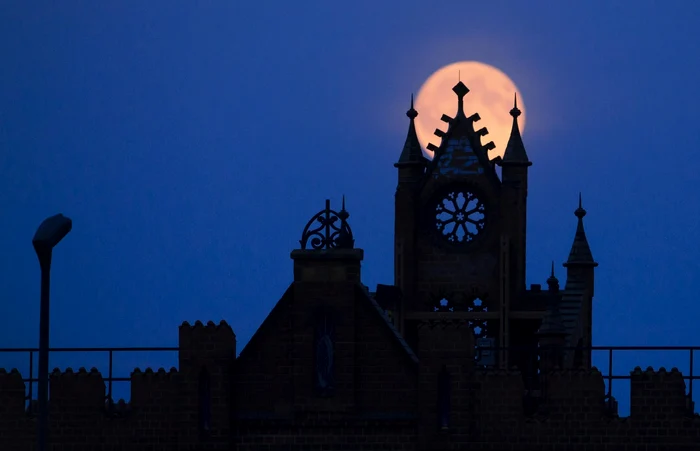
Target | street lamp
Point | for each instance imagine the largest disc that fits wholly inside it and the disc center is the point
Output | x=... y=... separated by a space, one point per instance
x=47 y=236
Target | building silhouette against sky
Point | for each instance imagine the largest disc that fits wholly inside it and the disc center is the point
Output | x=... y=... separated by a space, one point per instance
x=457 y=354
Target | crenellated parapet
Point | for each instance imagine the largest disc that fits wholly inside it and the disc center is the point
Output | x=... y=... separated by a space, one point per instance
x=151 y=390
x=658 y=394
x=574 y=392
x=73 y=392
x=210 y=345
x=11 y=393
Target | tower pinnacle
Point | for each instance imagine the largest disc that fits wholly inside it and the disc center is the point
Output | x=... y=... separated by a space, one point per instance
x=461 y=90
x=515 y=149
x=580 y=254
x=411 y=152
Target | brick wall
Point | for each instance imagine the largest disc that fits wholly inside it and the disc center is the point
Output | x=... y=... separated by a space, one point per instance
x=486 y=409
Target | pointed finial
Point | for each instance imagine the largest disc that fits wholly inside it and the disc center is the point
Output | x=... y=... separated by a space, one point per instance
x=580 y=212
x=552 y=281
x=412 y=113
x=461 y=90
x=459 y=75
x=343 y=208
x=515 y=112
x=343 y=214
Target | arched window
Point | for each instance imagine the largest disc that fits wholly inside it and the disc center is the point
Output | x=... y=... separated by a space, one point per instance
x=324 y=353
x=204 y=394
x=444 y=399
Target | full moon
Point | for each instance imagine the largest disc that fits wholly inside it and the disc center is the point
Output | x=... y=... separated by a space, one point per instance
x=490 y=94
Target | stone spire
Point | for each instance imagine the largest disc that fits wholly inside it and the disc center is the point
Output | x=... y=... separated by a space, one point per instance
x=515 y=149
x=411 y=152
x=552 y=323
x=580 y=254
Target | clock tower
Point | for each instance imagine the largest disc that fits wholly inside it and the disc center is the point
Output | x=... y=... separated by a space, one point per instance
x=460 y=233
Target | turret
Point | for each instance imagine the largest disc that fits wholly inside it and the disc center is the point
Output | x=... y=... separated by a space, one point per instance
x=411 y=170
x=515 y=164
x=580 y=280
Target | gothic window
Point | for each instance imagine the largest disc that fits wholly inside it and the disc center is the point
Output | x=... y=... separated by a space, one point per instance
x=324 y=346
x=482 y=340
x=478 y=326
x=204 y=390
x=444 y=398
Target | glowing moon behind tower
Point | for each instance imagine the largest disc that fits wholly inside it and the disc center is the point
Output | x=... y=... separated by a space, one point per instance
x=490 y=94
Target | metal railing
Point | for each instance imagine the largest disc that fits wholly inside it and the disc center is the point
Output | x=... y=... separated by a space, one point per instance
x=110 y=372
x=609 y=377
x=535 y=352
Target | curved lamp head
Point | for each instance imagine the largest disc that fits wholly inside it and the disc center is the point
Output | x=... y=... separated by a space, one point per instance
x=51 y=232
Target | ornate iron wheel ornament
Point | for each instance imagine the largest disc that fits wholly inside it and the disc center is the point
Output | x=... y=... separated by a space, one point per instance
x=328 y=229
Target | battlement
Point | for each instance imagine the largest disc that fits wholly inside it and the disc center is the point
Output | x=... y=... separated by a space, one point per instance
x=186 y=405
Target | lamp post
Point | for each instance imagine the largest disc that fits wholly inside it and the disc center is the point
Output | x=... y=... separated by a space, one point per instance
x=47 y=236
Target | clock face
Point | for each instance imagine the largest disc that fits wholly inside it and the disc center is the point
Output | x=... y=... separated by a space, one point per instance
x=459 y=216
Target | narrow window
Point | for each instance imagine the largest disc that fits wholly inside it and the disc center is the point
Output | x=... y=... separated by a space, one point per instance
x=444 y=398
x=324 y=345
x=204 y=402
x=578 y=354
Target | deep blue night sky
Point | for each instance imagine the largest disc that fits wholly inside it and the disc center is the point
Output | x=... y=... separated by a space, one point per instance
x=191 y=141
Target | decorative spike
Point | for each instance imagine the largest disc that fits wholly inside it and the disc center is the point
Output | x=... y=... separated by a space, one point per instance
x=552 y=274
x=474 y=117
x=489 y=146
x=580 y=253
x=439 y=133
x=432 y=147
x=482 y=131
x=446 y=118
x=580 y=211
x=412 y=113
x=515 y=112
x=342 y=208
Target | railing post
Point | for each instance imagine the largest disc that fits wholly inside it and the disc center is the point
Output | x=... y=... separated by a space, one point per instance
x=31 y=376
x=690 y=382
x=109 y=379
x=610 y=375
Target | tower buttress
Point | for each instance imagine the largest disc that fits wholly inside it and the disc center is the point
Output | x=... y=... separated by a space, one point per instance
x=514 y=175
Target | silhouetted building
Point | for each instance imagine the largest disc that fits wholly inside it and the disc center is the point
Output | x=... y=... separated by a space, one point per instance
x=457 y=354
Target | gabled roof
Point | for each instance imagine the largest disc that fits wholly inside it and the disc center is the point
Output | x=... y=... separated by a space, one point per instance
x=360 y=292
x=387 y=323
x=461 y=138
x=286 y=299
